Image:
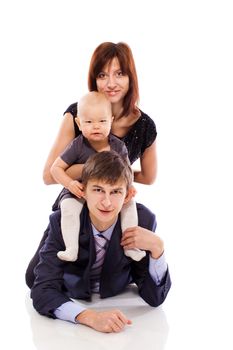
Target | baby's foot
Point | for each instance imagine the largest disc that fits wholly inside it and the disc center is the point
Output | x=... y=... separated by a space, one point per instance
x=70 y=254
x=135 y=254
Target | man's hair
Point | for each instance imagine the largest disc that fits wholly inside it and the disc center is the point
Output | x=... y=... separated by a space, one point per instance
x=109 y=167
x=103 y=55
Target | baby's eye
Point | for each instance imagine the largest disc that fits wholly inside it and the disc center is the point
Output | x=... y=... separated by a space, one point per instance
x=88 y=121
x=103 y=121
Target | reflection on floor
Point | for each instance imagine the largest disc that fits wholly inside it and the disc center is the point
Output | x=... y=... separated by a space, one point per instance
x=49 y=334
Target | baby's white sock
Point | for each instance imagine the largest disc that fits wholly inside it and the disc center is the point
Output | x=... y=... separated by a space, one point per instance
x=70 y=226
x=129 y=218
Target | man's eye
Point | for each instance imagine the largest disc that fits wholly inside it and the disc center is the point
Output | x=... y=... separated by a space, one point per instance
x=97 y=190
x=116 y=192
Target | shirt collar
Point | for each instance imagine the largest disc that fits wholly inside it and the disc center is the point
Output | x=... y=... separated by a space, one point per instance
x=107 y=233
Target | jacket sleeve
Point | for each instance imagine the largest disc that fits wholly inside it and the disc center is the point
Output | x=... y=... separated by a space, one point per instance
x=153 y=294
x=47 y=291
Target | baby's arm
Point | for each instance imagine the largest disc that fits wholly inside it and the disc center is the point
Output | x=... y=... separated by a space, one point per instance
x=58 y=172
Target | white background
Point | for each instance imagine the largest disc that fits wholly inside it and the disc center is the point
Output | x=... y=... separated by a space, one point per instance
x=183 y=53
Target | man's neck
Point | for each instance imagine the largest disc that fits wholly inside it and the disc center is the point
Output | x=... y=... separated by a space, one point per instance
x=101 y=226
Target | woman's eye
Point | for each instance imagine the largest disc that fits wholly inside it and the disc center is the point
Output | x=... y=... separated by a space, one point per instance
x=119 y=74
x=101 y=75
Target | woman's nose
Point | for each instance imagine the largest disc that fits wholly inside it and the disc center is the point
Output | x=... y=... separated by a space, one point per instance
x=111 y=80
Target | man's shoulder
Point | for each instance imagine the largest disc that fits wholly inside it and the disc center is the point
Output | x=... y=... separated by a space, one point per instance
x=146 y=218
x=55 y=217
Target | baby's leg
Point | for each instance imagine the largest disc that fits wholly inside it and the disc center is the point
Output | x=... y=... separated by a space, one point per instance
x=129 y=218
x=70 y=226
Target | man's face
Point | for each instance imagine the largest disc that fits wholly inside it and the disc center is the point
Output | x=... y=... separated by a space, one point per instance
x=104 y=202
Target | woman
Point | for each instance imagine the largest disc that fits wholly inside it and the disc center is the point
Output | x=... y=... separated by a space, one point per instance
x=112 y=71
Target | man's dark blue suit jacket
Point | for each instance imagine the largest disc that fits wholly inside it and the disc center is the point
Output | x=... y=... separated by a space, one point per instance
x=57 y=281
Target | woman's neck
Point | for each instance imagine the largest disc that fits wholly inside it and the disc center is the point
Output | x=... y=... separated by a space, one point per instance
x=117 y=109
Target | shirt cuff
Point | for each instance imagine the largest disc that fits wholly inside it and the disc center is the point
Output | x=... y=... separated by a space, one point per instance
x=68 y=311
x=157 y=268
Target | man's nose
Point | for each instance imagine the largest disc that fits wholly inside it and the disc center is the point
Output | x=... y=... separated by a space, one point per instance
x=106 y=202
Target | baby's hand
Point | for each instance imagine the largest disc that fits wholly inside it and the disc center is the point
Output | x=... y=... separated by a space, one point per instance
x=76 y=188
x=133 y=191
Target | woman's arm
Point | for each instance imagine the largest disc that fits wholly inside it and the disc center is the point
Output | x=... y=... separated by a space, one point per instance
x=148 y=162
x=75 y=171
x=65 y=135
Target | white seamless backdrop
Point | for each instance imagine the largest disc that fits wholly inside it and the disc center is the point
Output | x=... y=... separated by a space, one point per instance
x=183 y=54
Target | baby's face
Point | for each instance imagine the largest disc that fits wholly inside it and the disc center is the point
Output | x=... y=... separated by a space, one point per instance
x=95 y=121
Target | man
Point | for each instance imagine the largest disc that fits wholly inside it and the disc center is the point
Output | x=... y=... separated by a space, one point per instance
x=102 y=266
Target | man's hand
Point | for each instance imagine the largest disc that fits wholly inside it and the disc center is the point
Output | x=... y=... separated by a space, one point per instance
x=76 y=188
x=139 y=237
x=104 y=321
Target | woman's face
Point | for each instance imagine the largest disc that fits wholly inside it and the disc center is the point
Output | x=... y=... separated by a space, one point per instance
x=112 y=82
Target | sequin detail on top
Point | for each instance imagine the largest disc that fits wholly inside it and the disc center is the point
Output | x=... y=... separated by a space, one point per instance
x=142 y=134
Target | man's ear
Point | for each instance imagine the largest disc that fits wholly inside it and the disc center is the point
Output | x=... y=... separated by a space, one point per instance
x=130 y=194
x=84 y=194
x=77 y=119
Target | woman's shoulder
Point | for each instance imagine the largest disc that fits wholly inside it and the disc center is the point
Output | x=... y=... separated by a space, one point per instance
x=146 y=119
x=72 y=109
x=143 y=125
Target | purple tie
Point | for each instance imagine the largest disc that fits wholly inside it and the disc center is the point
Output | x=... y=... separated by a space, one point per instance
x=100 y=246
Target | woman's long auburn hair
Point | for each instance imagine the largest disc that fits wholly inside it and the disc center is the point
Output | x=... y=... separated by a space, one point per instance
x=103 y=55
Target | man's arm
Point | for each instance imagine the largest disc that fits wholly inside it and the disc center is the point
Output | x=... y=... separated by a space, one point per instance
x=47 y=291
x=69 y=311
x=152 y=289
